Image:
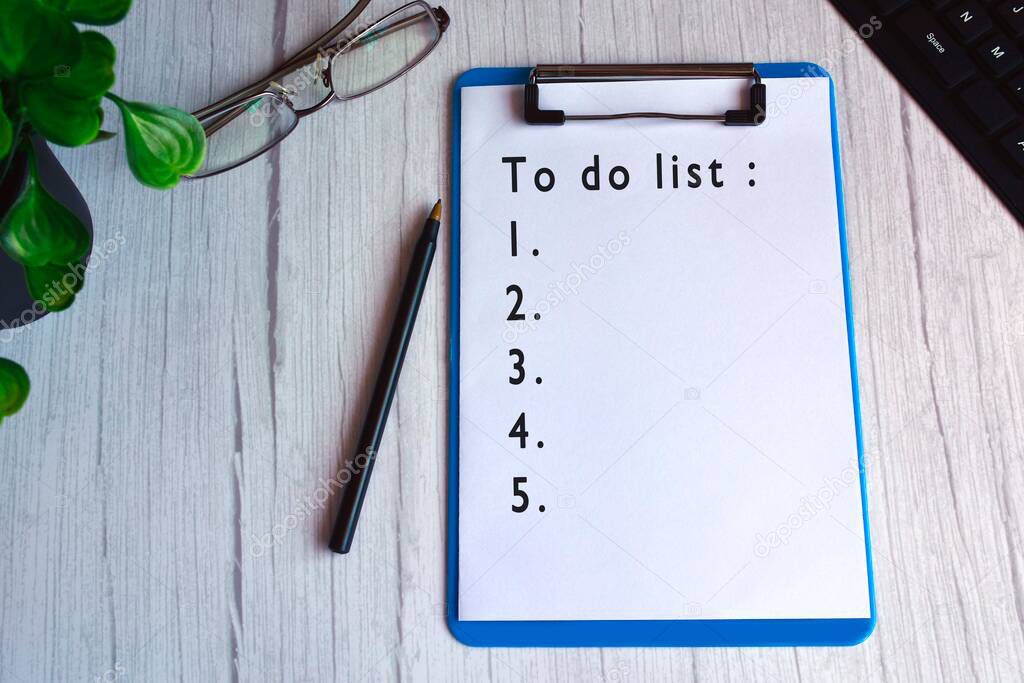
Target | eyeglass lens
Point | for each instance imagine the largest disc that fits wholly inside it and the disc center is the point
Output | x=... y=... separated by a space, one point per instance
x=245 y=132
x=385 y=51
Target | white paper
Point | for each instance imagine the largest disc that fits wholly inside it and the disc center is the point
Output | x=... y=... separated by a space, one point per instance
x=696 y=404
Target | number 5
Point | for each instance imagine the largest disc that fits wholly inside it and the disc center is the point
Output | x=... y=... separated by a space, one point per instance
x=516 y=491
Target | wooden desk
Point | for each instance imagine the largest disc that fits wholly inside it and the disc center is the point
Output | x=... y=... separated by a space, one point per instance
x=204 y=387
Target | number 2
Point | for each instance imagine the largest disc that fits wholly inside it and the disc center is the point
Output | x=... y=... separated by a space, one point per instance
x=515 y=314
x=516 y=491
x=518 y=366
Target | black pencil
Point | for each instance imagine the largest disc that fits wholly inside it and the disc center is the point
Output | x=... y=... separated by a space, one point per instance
x=387 y=381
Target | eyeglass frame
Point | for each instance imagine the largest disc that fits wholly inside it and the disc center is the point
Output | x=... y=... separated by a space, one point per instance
x=236 y=103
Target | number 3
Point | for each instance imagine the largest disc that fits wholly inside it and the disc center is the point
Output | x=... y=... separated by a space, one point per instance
x=518 y=366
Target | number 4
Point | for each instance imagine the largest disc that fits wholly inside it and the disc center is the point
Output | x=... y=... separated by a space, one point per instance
x=518 y=430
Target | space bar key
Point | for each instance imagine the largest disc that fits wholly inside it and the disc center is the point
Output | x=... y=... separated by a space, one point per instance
x=949 y=60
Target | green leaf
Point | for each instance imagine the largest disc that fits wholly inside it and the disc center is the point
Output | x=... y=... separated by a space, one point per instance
x=95 y=12
x=6 y=132
x=39 y=231
x=35 y=40
x=14 y=388
x=92 y=75
x=59 y=119
x=163 y=143
x=55 y=286
x=64 y=107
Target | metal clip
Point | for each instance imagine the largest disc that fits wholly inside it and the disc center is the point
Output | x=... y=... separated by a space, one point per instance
x=753 y=115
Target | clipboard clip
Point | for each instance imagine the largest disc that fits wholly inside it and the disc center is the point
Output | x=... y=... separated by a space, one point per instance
x=753 y=115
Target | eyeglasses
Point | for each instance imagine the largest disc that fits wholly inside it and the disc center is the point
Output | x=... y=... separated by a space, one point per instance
x=334 y=67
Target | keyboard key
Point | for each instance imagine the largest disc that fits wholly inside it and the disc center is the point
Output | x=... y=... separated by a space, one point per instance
x=1016 y=87
x=988 y=106
x=889 y=6
x=1014 y=145
x=949 y=60
x=1011 y=15
x=999 y=54
x=969 y=20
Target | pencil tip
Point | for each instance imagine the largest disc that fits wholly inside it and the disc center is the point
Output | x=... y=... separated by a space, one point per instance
x=435 y=214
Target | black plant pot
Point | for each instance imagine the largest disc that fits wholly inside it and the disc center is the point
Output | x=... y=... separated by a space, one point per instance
x=17 y=307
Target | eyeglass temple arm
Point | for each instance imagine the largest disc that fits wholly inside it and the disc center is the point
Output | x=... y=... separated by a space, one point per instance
x=258 y=86
x=213 y=126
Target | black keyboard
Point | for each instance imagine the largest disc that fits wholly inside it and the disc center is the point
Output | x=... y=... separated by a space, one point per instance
x=964 y=63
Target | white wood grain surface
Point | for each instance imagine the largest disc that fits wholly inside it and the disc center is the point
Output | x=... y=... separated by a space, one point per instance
x=205 y=385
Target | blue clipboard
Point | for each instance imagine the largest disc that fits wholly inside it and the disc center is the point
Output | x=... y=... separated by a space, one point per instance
x=636 y=633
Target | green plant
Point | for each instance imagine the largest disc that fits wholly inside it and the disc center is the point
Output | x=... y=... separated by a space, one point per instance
x=53 y=80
